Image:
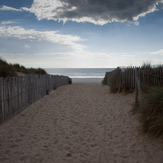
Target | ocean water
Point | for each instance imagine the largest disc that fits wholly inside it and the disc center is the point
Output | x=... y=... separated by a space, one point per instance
x=79 y=72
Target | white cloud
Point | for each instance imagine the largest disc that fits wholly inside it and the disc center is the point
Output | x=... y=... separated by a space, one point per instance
x=95 y=11
x=32 y=35
x=7 y=8
x=7 y=22
x=82 y=59
x=58 y=60
x=158 y=52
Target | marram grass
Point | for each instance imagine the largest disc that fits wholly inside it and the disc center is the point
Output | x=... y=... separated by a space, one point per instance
x=150 y=112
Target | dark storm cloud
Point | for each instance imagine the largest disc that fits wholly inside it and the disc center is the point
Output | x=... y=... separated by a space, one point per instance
x=108 y=10
x=94 y=11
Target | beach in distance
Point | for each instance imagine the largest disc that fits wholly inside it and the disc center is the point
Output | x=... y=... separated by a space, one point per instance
x=87 y=80
x=91 y=74
x=81 y=75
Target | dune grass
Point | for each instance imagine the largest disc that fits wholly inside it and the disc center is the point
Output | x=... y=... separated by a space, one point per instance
x=150 y=112
x=20 y=68
x=6 y=69
x=150 y=108
x=153 y=71
x=10 y=70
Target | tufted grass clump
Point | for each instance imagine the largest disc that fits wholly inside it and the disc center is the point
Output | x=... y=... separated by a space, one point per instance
x=10 y=70
x=6 y=69
x=150 y=112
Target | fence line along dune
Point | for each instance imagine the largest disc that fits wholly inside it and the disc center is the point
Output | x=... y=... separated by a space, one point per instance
x=78 y=123
x=16 y=93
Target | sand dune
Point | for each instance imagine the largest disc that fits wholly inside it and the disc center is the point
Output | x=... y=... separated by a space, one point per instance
x=79 y=123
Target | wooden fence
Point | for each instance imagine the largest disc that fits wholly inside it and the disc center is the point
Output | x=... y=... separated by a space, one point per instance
x=129 y=79
x=16 y=93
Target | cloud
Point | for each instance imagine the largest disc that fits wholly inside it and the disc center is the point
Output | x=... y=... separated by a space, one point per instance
x=7 y=22
x=7 y=8
x=27 y=46
x=160 y=6
x=158 y=52
x=58 y=59
x=99 y=12
x=95 y=11
x=31 y=35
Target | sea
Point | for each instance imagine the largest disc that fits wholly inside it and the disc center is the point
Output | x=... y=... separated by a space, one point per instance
x=79 y=72
x=81 y=75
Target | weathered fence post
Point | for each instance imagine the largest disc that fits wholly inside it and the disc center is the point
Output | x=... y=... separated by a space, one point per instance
x=137 y=86
x=1 y=108
x=119 y=79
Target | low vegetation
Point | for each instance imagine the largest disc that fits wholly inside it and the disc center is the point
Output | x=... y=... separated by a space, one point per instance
x=150 y=108
x=7 y=69
x=153 y=71
x=114 y=79
x=150 y=112
x=150 y=75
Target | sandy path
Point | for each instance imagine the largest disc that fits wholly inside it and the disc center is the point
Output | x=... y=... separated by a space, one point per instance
x=78 y=124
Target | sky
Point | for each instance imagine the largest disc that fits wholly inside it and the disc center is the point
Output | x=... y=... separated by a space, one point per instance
x=81 y=33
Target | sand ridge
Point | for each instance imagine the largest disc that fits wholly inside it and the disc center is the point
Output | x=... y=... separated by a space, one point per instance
x=79 y=123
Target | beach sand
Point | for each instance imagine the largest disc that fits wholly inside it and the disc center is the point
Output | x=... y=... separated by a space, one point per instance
x=87 y=80
x=78 y=123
